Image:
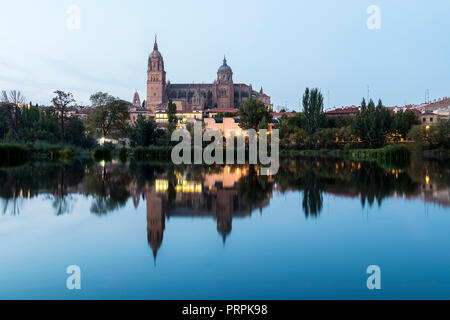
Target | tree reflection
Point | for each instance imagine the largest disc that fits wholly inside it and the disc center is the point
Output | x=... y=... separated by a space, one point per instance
x=254 y=189
x=312 y=195
x=110 y=186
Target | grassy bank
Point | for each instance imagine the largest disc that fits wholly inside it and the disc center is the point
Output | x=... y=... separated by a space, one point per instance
x=389 y=154
x=150 y=153
x=16 y=154
x=392 y=153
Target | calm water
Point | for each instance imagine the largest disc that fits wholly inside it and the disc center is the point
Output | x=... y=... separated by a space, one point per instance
x=146 y=231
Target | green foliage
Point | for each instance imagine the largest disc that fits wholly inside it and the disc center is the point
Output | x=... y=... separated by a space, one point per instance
x=404 y=121
x=62 y=102
x=102 y=153
x=123 y=154
x=251 y=113
x=372 y=124
x=393 y=154
x=152 y=153
x=338 y=122
x=4 y=127
x=313 y=109
x=76 y=134
x=109 y=117
x=43 y=150
x=38 y=125
x=172 y=116
x=435 y=136
x=144 y=132
x=263 y=125
x=42 y=125
x=13 y=154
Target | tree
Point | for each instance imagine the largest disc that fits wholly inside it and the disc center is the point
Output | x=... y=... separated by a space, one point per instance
x=11 y=102
x=3 y=123
x=251 y=113
x=144 y=132
x=403 y=122
x=109 y=117
x=76 y=134
x=62 y=102
x=172 y=116
x=372 y=123
x=101 y=99
x=263 y=125
x=435 y=136
x=313 y=109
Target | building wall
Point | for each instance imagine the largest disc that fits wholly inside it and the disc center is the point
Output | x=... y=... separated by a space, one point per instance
x=429 y=119
x=223 y=92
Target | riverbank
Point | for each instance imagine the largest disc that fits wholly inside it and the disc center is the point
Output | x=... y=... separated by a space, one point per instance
x=15 y=154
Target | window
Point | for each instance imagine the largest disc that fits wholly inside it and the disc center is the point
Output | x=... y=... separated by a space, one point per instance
x=431 y=119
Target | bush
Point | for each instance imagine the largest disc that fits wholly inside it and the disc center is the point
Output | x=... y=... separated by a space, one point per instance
x=102 y=153
x=123 y=154
x=66 y=153
x=12 y=154
x=152 y=153
x=393 y=154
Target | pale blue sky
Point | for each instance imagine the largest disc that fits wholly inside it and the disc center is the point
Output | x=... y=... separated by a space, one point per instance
x=283 y=46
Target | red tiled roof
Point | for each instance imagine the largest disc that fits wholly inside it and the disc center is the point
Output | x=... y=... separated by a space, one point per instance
x=221 y=110
x=345 y=110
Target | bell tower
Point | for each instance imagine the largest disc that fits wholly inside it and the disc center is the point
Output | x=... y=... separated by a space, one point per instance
x=156 y=79
x=224 y=86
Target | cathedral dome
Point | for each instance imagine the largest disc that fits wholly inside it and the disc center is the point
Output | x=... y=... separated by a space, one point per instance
x=225 y=67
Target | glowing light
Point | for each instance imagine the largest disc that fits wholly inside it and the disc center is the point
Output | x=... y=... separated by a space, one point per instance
x=161 y=185
x=427 y=179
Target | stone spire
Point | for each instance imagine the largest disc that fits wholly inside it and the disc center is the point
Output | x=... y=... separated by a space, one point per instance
x=136 y=99
x=155 y=46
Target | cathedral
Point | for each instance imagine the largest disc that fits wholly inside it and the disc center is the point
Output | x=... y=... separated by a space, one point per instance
x=223 y=93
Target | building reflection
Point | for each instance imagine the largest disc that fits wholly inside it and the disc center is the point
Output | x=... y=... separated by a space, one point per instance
x=216 y=196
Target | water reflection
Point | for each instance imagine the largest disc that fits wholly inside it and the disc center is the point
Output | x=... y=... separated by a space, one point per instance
x=222 y=193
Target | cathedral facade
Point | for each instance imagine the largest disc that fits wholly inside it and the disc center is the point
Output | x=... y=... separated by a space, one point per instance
x=223 y=93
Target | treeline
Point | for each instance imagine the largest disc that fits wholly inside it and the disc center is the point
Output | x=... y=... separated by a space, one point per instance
x=28 y=124
x=373 y=127
x=108 y=119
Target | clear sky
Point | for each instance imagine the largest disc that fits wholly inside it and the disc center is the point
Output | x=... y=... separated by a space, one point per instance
x=283 y=46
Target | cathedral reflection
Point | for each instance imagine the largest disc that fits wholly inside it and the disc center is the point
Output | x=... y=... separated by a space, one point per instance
x=217 y=196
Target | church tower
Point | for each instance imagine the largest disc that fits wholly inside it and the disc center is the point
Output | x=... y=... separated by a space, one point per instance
x=136 y=100
x=224 y=86
x=156 y=80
